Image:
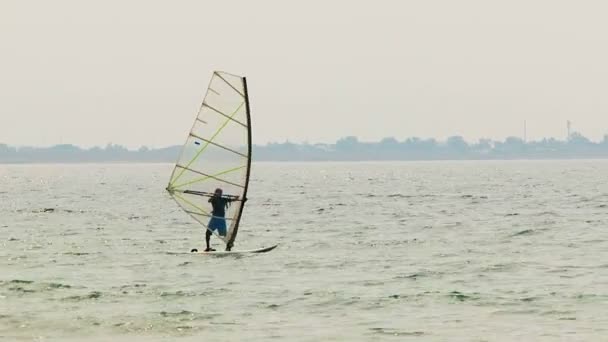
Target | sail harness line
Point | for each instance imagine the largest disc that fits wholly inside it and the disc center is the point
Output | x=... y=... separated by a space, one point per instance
x=202 y=211
x=210 y=177
x=207 y=143
x=206 y=225
x=195 y=213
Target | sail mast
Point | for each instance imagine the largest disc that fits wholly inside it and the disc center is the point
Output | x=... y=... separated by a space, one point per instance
x=248 y=172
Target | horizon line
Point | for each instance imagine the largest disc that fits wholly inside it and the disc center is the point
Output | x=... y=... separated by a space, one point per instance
x=525 y=140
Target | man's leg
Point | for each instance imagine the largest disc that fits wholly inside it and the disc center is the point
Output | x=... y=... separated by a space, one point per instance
x=207 y=238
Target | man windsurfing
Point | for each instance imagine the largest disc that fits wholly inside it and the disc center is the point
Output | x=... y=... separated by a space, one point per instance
x=218 y=218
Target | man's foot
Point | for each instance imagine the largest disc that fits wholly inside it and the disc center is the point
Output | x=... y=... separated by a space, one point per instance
x=209 y=249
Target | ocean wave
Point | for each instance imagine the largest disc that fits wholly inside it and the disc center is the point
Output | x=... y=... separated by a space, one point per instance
x=462 y=297
x=524 y=232
x=395 y=332
x=79 y=298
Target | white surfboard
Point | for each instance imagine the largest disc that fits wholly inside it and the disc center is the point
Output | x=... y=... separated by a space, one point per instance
x=250 y=251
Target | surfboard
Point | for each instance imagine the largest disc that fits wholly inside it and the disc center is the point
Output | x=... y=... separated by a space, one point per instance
x=251 y=251
x=217 y=156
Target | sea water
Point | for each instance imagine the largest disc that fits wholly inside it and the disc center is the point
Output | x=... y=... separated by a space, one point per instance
x=424 y=251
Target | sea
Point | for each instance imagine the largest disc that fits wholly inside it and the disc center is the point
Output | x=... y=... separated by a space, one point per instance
x=368 y=251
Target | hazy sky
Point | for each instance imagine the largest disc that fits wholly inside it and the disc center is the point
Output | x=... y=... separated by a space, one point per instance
x=133 y=72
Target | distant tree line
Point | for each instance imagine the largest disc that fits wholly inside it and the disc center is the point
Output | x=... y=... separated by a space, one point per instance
x=71 y=153
x=345 y=149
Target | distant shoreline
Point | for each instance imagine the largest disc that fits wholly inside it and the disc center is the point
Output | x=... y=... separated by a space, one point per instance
x=348 y=149
x=135 y=162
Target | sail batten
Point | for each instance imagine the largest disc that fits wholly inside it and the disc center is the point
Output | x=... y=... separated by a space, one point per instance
x=228 y=83
x=218 y=145
x=206 y=176
x=225 y=115
x=216 y=154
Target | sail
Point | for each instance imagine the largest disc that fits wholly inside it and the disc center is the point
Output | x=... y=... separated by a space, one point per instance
x=217 y=154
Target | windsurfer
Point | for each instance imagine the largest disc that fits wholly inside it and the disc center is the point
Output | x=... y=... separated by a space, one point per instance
x=218 y=219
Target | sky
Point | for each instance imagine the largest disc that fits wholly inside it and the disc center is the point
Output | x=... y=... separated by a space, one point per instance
x=133 y=72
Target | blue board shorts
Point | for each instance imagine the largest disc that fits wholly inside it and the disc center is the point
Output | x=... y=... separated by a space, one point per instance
x=219 y=224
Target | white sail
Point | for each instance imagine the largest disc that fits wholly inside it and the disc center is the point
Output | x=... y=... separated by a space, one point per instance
x=217 y=154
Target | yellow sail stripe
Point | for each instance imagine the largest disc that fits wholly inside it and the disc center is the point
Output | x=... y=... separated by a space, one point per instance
x=208 y=177
x=210 y=140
